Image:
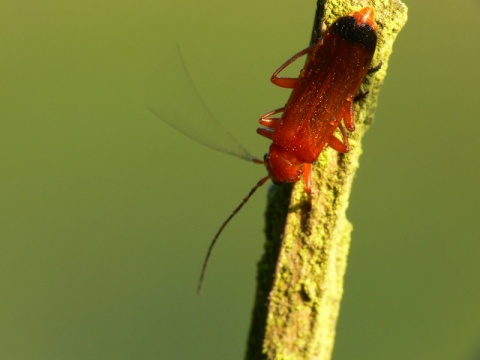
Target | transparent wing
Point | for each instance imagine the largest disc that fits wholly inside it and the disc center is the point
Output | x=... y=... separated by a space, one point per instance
x=191 y=116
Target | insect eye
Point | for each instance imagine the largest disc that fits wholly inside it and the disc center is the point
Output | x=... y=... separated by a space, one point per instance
x=265 y=157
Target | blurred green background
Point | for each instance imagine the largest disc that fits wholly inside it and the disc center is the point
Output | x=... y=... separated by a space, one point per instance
x=106 y=212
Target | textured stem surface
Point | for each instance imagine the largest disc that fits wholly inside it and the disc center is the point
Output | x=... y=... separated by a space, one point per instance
x=300 y=276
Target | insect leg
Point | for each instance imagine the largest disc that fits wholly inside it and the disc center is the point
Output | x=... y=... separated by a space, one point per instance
x=336 y=144
x=287 y=82
x=267 y=132
x=307 y=177
x=375 y=68
x=348 y=117
x=362 y=95
x=268 y=121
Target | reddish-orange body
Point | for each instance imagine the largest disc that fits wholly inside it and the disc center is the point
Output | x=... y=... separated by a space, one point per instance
x=322 y=96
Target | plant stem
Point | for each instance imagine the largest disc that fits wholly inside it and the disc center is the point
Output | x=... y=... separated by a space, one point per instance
x=300 y=276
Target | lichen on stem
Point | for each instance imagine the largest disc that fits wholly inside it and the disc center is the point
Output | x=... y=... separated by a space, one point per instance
x=300 y=276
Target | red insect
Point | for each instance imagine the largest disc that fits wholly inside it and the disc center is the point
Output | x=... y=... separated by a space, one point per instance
x=322 y=96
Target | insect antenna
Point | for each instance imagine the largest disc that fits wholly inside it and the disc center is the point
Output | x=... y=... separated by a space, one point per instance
x=203 y=127
x=215 y=238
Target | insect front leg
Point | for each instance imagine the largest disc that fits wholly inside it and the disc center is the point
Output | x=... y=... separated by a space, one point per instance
x=270 y=123
x=287 y=82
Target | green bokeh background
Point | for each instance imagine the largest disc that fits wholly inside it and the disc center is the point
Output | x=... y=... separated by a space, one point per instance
x=106 y=212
